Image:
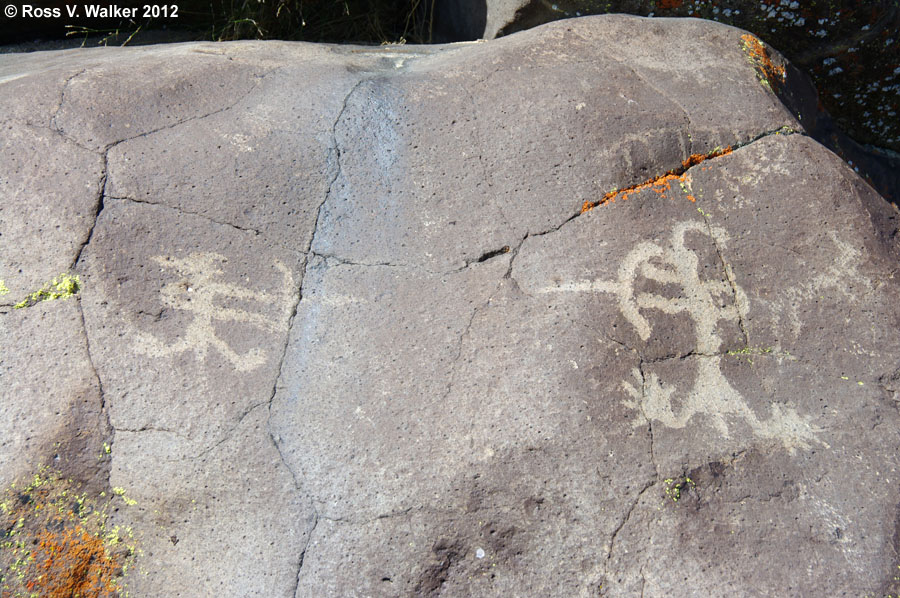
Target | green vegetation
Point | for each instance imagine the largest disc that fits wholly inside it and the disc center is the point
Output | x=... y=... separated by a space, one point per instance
x=358 y=21
x=374 y=21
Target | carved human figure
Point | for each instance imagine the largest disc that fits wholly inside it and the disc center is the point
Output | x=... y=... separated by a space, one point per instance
x=197 y=292
x=707 y=303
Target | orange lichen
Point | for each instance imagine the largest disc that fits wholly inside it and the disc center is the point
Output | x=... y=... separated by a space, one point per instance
x=71 y=563
x=770 y=74
x=659 y=184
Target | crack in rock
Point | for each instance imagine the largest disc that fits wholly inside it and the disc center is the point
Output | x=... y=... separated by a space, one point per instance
x=462 y=339
x=389 y=515
x=104 y=179
x=486 y=174
x=692 y=161
x=661 y=182
x=649 y=420
x=335 y=155
x=298 y=298
x=101 y=194
x=303 y=553
x=662 y=93
x=737 y=296
x=152 y=429
x=238 y=100
x=299 y=294
x=106 y=429
x=62 y=99
x=242 y=229
x=625 y=520
x=340 y=261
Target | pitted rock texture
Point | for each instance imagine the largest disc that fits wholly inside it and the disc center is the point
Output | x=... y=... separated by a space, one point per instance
x=346 y=330
x=848 y=48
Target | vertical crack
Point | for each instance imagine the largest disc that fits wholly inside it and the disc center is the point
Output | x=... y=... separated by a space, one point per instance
x=101 y=195
x=644 y=413
x=105 y=428
x=276 y=440
x=486 y=173
x=624 y=522
x=736 y=294
x=514 y=253
x=62 y=99
x=335 y=152
x=462 y=340
x=303 y=553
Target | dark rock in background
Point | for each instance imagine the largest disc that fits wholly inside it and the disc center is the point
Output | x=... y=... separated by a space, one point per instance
x=850 y=49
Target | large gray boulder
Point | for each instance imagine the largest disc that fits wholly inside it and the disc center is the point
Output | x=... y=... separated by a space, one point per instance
x=561 y=314
x=849 y=49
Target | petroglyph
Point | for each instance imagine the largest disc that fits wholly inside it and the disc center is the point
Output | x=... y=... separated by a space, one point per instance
x=707 y=303
x=841 y=276
x=197 y=292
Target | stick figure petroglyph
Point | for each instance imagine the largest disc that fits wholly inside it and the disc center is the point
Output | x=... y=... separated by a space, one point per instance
x=707 y=303
x=197 y=292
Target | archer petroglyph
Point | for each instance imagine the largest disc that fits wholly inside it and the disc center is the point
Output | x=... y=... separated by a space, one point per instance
x=707 y=303
x=198 y=290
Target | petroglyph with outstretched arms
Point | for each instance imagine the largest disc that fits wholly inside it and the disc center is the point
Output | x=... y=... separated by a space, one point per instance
x=706 y=302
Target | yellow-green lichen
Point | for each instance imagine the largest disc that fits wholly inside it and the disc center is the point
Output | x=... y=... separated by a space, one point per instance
x=748 y=353
x=62 y=287
x=3 y=288
x=121 y=492
x=675 y=487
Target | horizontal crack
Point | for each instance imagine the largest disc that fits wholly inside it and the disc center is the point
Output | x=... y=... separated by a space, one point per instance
x=149 y=429
x=345 y=262
x=588 y=206
x=492 y=254
x=341 y=261
x=225 y=437
x=746 y=351
x=662 y=182
x=389 y=515
x=244 y=229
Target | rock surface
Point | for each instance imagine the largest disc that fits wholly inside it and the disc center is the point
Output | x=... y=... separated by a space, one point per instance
x=849 y=48
x=371 y=322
